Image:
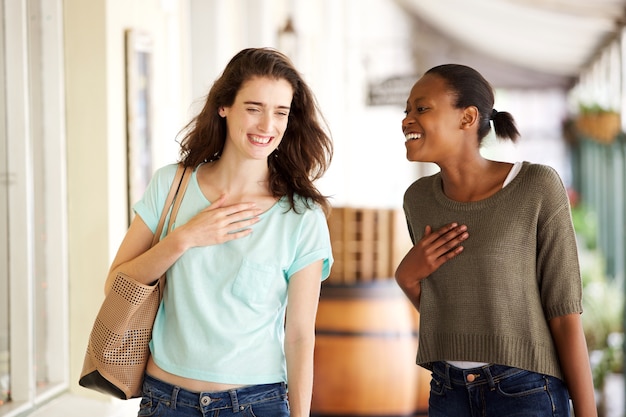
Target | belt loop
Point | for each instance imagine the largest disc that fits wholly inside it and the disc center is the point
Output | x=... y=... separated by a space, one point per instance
x=234 y=400
x=174 y=399
x=492 y=384
x=447 y=372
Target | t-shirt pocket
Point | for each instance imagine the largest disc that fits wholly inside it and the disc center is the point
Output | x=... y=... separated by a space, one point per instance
x=254 y=282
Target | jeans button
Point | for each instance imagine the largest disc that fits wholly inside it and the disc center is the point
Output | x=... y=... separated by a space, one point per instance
x=205 y=400
x=471 y=378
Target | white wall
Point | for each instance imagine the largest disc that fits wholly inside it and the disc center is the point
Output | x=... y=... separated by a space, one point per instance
x=96 y=133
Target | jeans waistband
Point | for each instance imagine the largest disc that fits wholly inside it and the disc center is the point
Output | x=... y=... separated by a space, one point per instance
x=488 y=374
x=234 y=399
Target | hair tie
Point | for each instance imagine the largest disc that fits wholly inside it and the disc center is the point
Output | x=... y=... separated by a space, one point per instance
x=493 y=114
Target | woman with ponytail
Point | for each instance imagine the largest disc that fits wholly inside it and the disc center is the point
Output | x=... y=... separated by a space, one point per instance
x=494 y=270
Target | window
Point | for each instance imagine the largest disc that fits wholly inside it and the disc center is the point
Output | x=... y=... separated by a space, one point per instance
x=33 y=273
x=4 y=282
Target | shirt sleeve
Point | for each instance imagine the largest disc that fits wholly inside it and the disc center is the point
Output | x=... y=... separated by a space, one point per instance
x=313 y=243
x=150 y=205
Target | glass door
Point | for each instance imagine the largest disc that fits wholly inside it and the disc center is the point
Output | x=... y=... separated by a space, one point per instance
x=34 y=353
x=4 y=273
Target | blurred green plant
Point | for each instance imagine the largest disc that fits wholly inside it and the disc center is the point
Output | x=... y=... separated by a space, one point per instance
x=586 y=226
x=608 y=360
x=603 y=301
x=593 y=108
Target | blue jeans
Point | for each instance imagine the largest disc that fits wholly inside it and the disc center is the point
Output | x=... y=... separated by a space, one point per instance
x=161 y=399
x=495 y=391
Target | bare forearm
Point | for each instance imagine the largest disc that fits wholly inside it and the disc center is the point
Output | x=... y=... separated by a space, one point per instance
x=212 y=226
x=574 y=358
x=427 y=255
x=299 y=355
x=148 y=266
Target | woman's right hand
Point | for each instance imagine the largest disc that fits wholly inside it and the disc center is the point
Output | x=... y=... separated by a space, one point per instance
x=427 y=255
x=219 y=223
x=215 y=224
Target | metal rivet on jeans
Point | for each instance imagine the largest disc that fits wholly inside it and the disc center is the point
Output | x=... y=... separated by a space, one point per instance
x=205 y=400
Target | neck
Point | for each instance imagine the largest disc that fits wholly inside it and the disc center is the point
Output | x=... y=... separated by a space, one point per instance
x=473 y=181
x=247 y=177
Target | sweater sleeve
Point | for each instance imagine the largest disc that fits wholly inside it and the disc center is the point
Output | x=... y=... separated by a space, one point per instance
x=558 y=270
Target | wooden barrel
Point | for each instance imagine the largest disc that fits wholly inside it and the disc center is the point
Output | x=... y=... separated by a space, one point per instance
x=365 y=350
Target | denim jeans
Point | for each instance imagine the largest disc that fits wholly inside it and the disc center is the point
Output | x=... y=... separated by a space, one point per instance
x=161 y=399
x=495 y=391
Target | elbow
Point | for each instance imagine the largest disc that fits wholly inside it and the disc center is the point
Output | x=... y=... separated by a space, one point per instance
x=108 y=284
x=404 y=278
x=107 y=287
x=398 y=275
x=300 y=338
x=410 y=286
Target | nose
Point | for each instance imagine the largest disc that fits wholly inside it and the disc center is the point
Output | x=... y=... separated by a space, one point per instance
x=265 y=123
x=406 y=122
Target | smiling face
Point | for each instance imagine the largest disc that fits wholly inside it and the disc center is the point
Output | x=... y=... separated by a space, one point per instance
x=432 y=125
x=257 y=119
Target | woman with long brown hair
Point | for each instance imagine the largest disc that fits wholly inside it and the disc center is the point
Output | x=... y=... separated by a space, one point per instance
x=251 y=233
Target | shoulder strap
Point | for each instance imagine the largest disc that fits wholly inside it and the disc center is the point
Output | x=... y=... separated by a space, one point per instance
x=178 y=179
x=179 y=197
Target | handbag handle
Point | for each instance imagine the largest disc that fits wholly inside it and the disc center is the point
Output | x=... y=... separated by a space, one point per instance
x=179 y=198
x=179 y=185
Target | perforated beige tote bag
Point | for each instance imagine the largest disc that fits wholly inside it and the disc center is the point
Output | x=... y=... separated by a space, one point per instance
x=118 y=352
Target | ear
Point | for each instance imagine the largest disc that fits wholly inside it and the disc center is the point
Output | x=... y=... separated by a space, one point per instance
x=470 y=117
x=222 y=112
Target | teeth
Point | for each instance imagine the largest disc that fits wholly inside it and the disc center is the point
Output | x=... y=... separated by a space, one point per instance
x=260 y=139
x=413 y=136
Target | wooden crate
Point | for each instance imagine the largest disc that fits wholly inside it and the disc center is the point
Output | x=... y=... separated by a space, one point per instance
x=363 y=244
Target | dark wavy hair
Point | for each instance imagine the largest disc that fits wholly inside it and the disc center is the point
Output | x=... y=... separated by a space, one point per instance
x=472 y=89
x=306 y=149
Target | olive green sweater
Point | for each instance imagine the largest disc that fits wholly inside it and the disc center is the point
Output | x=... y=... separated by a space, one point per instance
x=519 y=269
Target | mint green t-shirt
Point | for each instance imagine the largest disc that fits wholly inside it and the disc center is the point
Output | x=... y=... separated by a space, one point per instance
x=222 y=314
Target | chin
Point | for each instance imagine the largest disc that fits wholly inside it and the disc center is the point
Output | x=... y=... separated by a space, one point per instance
x=413 y=158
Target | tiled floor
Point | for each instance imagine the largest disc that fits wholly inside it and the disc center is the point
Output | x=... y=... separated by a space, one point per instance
x=78 y=406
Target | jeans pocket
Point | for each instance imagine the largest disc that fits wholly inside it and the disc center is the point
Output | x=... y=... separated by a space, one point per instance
x=278 y=407
x=522 y=384
x=148 y=407
x=437 y=385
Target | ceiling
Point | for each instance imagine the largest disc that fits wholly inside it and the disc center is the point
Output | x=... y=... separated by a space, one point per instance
x=515 y=43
